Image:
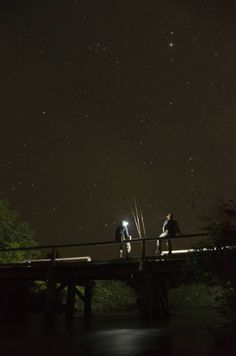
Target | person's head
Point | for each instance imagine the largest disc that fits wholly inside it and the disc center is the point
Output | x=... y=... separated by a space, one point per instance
x=124 y=223
x=169 y=216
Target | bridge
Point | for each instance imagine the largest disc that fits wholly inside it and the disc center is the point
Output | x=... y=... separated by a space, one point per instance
x=149 y=275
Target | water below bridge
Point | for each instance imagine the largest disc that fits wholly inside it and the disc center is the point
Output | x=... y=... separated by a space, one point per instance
x=185 y=333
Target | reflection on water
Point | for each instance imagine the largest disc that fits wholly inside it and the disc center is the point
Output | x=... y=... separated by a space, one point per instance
x=184 y=334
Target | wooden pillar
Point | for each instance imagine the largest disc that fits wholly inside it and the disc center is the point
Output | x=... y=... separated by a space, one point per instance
x=143 y=257
x=51 y=285
x=50 y=292
x=53 y=258
x=88 y=294
x=144 y=297
x=70 y=299
x=164 y=299
x=153 y=296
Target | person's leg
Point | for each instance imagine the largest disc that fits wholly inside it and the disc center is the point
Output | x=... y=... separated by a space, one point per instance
x=169 y=242
x=159 y=247
x=128 y=249
x=121 y=251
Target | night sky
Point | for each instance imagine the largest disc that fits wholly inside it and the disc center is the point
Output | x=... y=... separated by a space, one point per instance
x=104 y=101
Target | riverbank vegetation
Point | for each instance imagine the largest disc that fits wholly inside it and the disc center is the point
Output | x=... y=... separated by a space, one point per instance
x=214 y=262
x=14 y=234
x=118 y=296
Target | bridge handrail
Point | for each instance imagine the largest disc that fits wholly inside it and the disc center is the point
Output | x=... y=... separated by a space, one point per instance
x=85 y=244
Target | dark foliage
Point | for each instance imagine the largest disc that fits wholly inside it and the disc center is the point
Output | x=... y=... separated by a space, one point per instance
x=14 y=234
x=214 y=261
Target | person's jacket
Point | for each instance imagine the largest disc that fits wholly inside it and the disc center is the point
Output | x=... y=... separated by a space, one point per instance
x=122 y=233
x=171 y=227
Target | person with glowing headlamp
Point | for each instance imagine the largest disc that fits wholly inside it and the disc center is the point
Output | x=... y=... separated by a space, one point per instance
x=122 y=235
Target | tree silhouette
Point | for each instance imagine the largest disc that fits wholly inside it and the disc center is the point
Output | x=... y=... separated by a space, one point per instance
x=14 y=234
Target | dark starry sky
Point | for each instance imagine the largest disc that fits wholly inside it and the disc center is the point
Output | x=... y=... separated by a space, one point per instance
x=105 y=100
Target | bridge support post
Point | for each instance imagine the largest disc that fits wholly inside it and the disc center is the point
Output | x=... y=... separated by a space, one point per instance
x=50 y=293
x=88 y=294
x=70 y=300
x=51 y=285
x=143 y=256
x=153 y=296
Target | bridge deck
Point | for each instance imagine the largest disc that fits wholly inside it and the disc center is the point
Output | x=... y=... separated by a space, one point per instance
x=79 y=270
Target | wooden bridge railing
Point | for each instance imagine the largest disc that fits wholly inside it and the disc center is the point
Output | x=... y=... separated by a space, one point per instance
x=53 y=248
